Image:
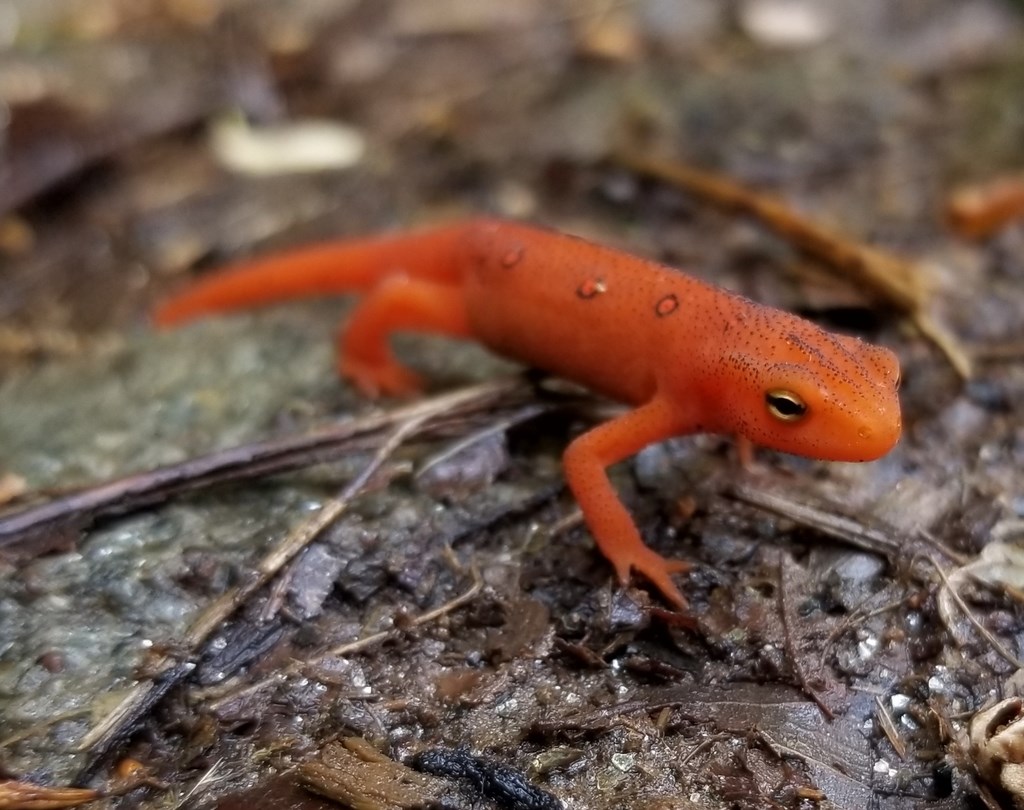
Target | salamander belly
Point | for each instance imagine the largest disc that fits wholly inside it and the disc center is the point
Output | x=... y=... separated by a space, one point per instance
x=531 y=297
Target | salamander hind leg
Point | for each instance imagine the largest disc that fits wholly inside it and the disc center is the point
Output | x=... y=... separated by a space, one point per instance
x=614 y=530
x=397 y=304
x=389 y=379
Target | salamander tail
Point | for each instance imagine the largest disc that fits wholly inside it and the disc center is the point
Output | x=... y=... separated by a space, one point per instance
x=331 y=268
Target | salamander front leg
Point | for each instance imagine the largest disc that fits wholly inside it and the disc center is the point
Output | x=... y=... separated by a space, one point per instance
x=586 y=460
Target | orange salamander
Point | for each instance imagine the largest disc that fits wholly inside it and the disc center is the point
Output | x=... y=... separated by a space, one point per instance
x=687 y=356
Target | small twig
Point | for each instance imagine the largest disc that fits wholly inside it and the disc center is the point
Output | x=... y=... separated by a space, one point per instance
x=136 y=704
x=935 y=543
x=297 y=540
x=788 y=619
x=829 y=523
x=565 y=523
x=524 y=414
x=368 y=641
x=896 y=281
x=983 y=631
x=204 y=782
x=15 y=794
x=360 y=644
x=889 y=728
x=931 y=330
x=1009 y=351
x=858 y=615
x=829 y=520
x=24 y=342
x=703 y=746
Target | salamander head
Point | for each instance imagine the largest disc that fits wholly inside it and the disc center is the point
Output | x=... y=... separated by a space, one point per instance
x=797 y=388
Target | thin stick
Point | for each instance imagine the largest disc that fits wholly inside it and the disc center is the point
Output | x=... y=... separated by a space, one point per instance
x=954 y=594
x=80 y=509
x=896 y=281
x=830 y=523
x=297 y=540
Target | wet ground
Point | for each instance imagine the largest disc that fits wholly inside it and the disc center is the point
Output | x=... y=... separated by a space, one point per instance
x=453 y=639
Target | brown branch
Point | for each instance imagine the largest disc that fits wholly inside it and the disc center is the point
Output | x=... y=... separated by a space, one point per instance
x=828 y=519
x=950 y=589
x=79 y=510
x=895 y=281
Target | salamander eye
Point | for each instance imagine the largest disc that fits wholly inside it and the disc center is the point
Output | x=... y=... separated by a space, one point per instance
x=785 y=405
